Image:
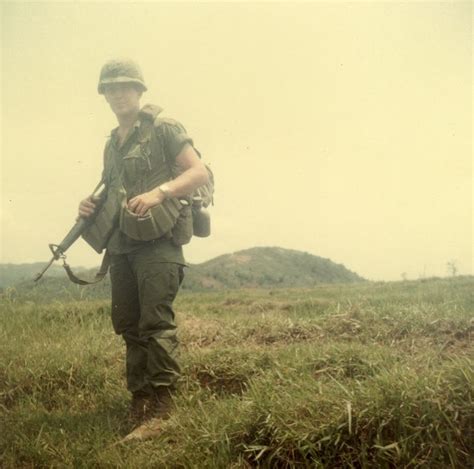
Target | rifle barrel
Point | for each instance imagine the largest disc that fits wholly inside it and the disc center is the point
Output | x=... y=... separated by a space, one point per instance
x=38 y=276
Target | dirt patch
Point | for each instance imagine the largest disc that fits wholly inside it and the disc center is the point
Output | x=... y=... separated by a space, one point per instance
x=222 y=384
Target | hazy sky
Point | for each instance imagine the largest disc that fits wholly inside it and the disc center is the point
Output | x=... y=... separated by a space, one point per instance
x=341 y=129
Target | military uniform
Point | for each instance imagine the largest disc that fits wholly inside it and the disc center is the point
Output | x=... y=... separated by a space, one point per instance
x=145 y=275
x=144 y=247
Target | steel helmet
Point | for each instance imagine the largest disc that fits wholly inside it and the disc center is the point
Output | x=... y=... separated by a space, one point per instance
x=120 y=71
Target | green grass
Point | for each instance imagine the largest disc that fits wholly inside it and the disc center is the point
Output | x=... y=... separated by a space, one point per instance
x=363 y=375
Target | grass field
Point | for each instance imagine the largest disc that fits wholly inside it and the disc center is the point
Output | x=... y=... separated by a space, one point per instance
x=374 y=375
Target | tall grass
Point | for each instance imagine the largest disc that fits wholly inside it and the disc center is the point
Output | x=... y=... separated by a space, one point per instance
x=368 y=375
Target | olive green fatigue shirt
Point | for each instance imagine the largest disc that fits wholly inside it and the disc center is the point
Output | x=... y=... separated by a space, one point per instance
x=175 y=138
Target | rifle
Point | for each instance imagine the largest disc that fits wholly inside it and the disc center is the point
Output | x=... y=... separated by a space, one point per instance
x=59 y=250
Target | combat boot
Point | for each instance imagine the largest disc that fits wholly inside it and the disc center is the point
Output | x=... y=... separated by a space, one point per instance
x=140 y=407
x=164 y=402
x=158 y=409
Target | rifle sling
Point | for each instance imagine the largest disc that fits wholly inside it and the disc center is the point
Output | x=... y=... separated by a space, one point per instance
x=104 y=267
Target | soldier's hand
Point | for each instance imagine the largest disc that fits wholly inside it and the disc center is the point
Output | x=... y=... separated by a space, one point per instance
x=143 y=202
x=86 y=207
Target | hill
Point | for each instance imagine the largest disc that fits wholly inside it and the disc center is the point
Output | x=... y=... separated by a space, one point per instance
x=265 y=267
x=12 y=274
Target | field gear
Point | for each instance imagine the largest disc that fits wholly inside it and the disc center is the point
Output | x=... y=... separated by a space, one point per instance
x=201 y=218
x=120 y=71
x=147 y=162
x=158 y=222
x=146 y=274
x=97 y=233
x=140 y=169
x=203 y=196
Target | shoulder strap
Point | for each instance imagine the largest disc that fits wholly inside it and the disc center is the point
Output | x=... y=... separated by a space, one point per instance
x=148 y=133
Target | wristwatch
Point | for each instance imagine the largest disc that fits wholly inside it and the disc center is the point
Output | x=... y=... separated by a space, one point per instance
x=164 y=188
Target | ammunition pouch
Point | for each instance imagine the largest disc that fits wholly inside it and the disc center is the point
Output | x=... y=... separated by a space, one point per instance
x=158 y=222
x=98 y=232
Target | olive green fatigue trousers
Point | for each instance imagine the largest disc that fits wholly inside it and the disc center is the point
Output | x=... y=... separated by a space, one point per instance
x=143 y=291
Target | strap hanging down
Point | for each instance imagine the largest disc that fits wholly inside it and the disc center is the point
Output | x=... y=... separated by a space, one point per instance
x=104 y=267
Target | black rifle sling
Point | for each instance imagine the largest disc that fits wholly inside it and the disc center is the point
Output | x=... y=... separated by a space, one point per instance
x=102 y=272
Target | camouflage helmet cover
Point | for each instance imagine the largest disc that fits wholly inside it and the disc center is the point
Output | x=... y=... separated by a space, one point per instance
x=120 y=71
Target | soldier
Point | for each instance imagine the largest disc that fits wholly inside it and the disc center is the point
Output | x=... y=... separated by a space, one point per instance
x=149 y=163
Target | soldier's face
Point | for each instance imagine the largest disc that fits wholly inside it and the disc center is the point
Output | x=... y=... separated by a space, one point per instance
x=123 y=98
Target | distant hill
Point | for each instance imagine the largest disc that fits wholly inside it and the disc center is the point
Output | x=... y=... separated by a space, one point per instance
x=260 y=267
x=267 y=267
x=12 y=274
